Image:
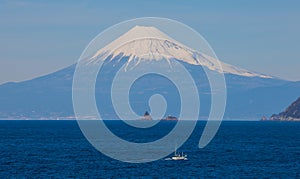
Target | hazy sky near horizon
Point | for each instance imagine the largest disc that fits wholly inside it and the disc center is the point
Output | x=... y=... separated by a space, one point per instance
x=39 y=37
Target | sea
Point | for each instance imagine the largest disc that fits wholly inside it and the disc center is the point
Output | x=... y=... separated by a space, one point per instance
x=58 y=149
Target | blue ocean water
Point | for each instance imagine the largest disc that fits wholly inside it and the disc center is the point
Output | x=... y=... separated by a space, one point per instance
x=58 y=149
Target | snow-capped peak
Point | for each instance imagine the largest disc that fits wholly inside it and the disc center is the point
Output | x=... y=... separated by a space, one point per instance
x=149 y=43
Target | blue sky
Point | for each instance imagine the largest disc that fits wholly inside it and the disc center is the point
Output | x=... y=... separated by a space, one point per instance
x=39 y=37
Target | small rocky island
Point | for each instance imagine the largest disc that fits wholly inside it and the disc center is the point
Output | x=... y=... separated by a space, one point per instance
x=292 y=113
x=147 y=116
x=170 y=118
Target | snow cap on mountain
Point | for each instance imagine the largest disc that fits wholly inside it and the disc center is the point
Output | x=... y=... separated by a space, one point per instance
x=149 y=43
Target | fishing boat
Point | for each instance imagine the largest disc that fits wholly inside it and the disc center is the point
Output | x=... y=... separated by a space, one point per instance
x=178 y=156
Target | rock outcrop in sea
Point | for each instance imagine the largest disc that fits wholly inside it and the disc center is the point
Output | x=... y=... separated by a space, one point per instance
x=170 y=118
x=147 y=116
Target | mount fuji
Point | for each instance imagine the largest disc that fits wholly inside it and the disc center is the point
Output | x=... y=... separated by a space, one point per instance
x=249 y=95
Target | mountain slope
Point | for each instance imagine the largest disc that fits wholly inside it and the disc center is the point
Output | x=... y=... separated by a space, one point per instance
x=50 y=96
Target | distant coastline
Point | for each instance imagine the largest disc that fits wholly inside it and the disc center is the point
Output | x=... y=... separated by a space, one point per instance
x=74 y=119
